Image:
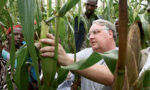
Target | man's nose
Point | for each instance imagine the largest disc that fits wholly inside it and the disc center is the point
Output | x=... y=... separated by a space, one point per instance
x=19 y=36
x=91 y=36
x=89 y=6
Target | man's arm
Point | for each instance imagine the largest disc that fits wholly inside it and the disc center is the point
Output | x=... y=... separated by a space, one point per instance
x=98 y=73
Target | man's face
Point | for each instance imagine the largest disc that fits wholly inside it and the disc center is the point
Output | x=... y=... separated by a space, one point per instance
x=99 y=37
x=18 y=37
x=90 y=5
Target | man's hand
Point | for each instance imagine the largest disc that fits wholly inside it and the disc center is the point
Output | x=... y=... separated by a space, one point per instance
x=48 y=51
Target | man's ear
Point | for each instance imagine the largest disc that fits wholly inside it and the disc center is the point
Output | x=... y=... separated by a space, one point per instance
x=110 y=33
x=95 y=7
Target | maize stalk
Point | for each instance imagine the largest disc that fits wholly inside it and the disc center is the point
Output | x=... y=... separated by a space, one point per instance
x=48 y=64
x=123 y=31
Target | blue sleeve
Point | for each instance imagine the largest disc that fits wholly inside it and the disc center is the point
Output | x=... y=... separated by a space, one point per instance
x=5 y=54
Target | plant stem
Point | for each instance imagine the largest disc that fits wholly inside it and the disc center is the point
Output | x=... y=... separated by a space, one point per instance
x=57 y=31
x=123 y=31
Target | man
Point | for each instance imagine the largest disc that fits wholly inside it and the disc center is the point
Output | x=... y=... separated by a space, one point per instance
x=19 y=41
x=18 y=37
x=86 y=21
x=102 y=36
x=5 y=53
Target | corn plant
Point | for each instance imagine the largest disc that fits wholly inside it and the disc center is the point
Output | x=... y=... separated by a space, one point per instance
x=60 y=22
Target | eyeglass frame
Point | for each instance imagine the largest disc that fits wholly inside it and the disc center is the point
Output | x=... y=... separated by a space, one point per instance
x=95 y=32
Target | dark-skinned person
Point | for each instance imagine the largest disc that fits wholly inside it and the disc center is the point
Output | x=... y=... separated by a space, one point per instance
x=18 y=38
x=2 y=69
x=19 y=41
x=102 y=36
x=86 y=20
x=5 y=54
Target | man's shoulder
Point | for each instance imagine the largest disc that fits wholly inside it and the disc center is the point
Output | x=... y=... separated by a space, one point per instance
x=144 y=56
x=76 y=17
x=95 y=16
x=145 y=51
x=85 y=53
x=87 y=50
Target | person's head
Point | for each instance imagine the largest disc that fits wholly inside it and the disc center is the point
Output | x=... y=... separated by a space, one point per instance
x=102 y=35
x=90 y=6
x=18 y=36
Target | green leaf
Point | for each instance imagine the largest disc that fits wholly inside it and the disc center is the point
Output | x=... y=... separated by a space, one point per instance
x=24 y=77
x=146 y=82
x=107 y=10
x=67 y=7
x=143 y=81
x=82 y=64
x=38 y=14
x=2 y=4
x=110 y=58
x=62 y=74
x=26 y=14
x=62 y=29
x=9 y=82
x=5 y=18
x=48 y=64
x=22 y=57
x=12 y=50
x=131 y=13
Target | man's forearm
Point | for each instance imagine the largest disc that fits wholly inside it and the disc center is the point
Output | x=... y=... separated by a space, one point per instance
x=98 y=73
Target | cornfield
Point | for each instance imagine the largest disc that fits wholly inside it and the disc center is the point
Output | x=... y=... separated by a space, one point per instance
x=57 y=17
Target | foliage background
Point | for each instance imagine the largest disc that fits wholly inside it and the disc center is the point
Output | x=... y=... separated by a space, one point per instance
x=24 y=12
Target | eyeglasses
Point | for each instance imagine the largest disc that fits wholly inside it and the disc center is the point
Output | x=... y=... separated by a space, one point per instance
x=95 y=32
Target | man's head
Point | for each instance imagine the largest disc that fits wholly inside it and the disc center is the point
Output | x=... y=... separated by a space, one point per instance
x=102 y=35
x=90 y=6
x=18 y=36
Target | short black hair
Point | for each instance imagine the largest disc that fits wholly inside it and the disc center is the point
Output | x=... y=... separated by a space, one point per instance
x=93 y=0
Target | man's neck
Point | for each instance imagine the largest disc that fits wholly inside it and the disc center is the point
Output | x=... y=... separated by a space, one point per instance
x=108 y=48
x=88 y=15
x=102 y=51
